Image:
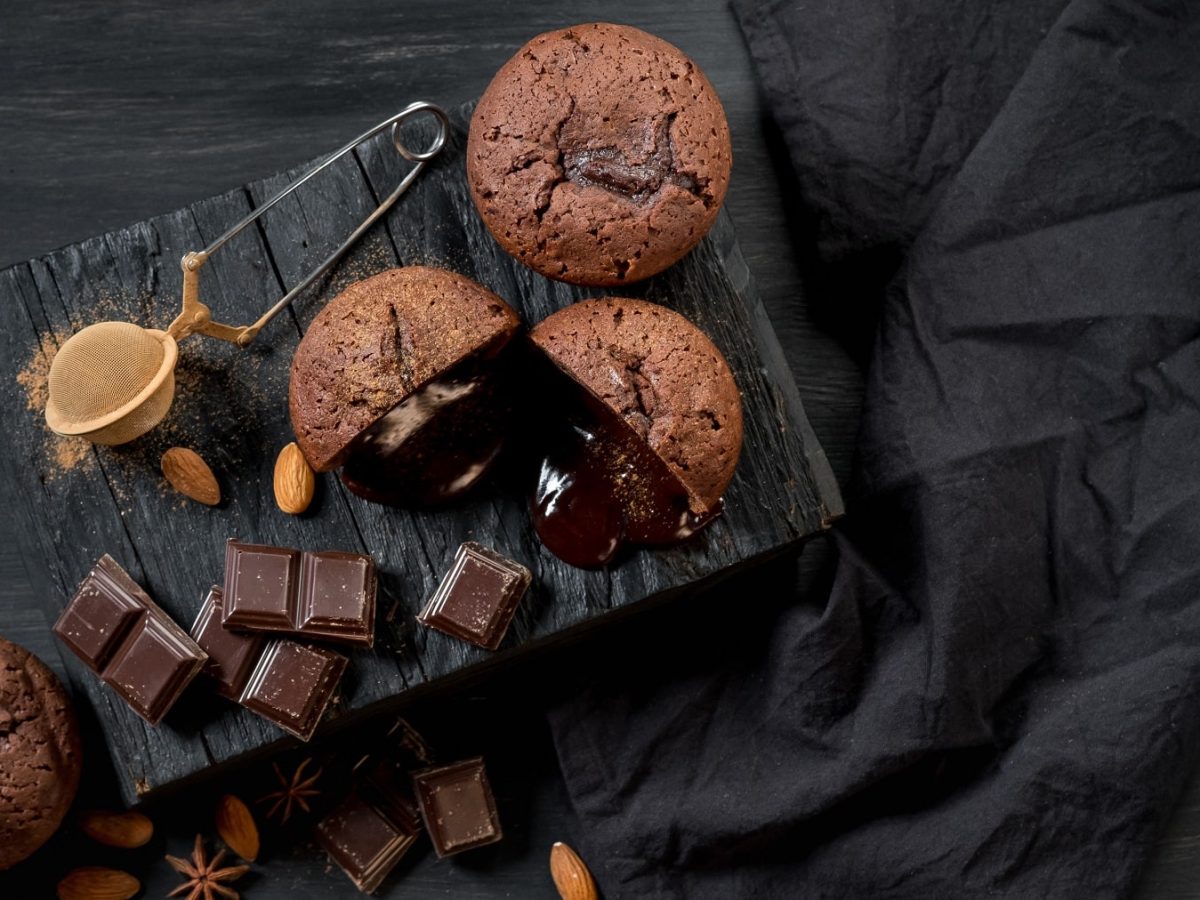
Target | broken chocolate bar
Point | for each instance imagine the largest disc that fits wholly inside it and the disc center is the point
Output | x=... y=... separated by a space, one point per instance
x=327 y=596
x=125 y=637
x=293 y=684
x=232 y=655
x=458 y=807
x=479 y=596
x=285 y=682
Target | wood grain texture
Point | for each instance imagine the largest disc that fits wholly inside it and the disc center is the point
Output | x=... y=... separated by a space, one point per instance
x=230 y=408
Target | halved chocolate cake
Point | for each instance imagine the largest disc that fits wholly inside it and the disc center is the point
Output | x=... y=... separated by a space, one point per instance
x=400 y=380
x=651 y=435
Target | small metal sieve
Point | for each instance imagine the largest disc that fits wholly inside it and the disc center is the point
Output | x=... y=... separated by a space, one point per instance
x=113 y=381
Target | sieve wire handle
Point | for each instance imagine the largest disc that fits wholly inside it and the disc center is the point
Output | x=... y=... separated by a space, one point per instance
x=196 y=317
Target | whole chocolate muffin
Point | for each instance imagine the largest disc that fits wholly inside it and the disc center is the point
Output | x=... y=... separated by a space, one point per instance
x=599 y=155
x=660 y=433
x=399 y=380
x=42 y=756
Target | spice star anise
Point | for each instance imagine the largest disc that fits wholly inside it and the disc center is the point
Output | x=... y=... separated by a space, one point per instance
x=293 y=792
x=204 y=878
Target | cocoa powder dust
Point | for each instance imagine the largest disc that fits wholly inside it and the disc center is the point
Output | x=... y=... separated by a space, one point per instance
x=60 y=455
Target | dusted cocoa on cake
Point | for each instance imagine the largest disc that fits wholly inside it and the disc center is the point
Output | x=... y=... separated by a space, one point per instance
x=417 y=339
x=599 y=155
x=654 y=429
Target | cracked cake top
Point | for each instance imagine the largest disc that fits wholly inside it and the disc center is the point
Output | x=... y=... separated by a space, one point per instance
x=663 y=376
x=376 y=343
x=599 y=155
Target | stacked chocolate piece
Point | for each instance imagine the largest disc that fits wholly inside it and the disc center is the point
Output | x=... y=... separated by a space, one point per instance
x=129 y=641
x=272 y=596
x=395 y=789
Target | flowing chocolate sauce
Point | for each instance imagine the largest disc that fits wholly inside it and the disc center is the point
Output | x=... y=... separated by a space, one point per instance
x=601 y=486
x=440 y=441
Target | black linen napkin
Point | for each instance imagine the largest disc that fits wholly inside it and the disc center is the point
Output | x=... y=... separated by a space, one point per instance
x=999 y=694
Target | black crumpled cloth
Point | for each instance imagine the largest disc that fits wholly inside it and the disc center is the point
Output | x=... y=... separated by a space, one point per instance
x=999 y=696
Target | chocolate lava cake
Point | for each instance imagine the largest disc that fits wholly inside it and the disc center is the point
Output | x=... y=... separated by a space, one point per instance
x=400 y=380
x=599 y=155
x=651 y=434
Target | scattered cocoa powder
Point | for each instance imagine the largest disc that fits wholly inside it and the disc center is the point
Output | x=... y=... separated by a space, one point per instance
x=60 y=454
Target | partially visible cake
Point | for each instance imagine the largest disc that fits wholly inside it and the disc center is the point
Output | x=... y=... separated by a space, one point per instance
x=41 y=751
x=599 y=155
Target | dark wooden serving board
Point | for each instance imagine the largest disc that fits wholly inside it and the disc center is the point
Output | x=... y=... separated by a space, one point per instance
x=75 y=502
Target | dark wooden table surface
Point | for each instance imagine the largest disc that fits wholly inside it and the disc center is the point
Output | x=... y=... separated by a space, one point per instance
x=112 y=113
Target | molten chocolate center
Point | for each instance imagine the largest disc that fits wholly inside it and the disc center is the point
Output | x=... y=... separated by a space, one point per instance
x=440 y=441
x=600 y=486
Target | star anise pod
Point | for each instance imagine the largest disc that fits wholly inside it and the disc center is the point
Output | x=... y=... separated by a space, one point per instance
x=204 y=877
x=292 y=792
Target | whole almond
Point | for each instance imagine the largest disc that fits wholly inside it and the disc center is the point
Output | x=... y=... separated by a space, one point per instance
x=236 y=827
x=191 y=476
x=116 y=829
x=294 y=481
x=571 y=876
x=97 y=883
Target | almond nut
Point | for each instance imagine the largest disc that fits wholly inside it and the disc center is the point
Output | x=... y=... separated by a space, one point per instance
x=236 y=827
x=571 y=876
x=294 y=480
x=97 y=883
x=191 y=476
x=125 y=830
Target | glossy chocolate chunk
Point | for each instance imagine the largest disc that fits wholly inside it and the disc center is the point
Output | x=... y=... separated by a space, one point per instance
x=478 y=597
x=232 y=655
x=292 y=684
x=369 y=832
x=328 y=595
x=364 y=840
x=337 y=596
x=601 y=486
x=293 y=698
x=123 y=636
x=439 y=442
x=458 y=807
x=260 y=586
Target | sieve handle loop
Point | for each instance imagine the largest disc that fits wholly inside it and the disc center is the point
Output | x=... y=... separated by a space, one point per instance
x=196 y=317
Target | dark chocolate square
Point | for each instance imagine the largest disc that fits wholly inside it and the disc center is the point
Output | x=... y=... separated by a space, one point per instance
x=100 y=614
x=365 y=841
x=152 y=667
x=337 y=596
x=292 y=685
x=458 y=806
x=231 y=654
x=260 y=586
x=478 y=597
